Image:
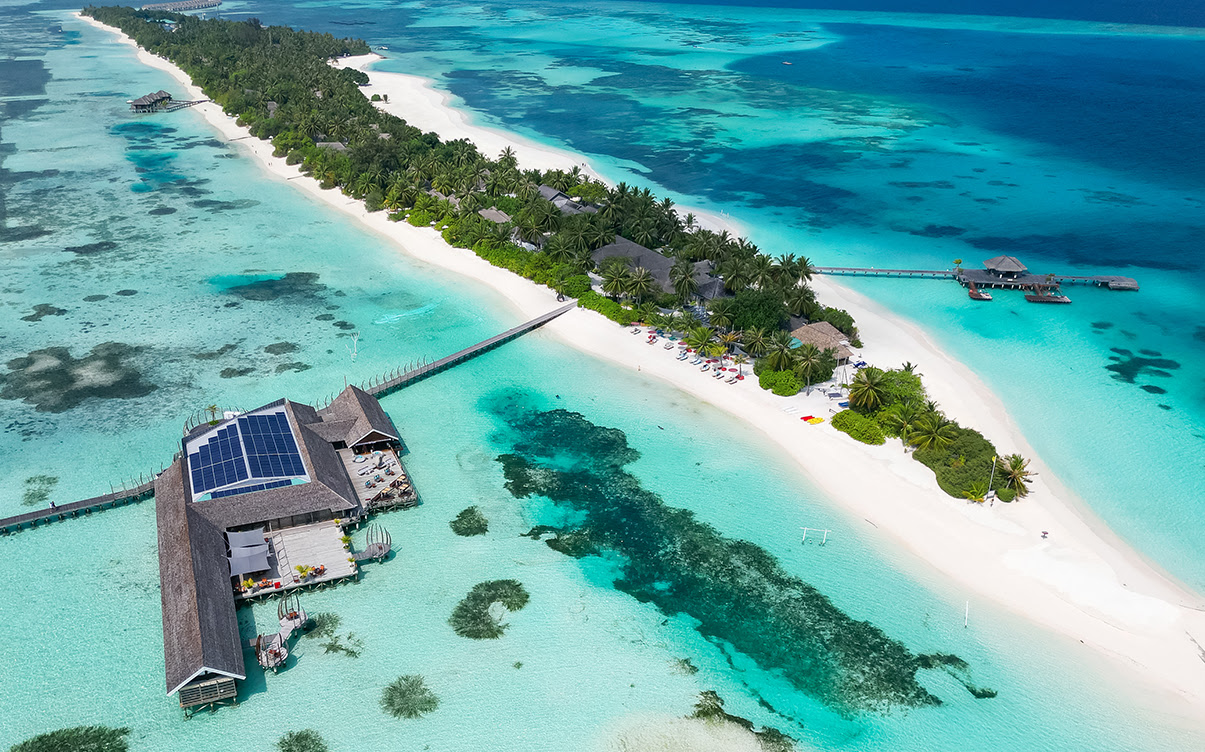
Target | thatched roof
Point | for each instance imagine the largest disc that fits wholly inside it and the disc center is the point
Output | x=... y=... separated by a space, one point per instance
x=1005 y=265
x=200 y=630
x=369 y=419
x=147 y=100
x=495 y=216
x=824 y=336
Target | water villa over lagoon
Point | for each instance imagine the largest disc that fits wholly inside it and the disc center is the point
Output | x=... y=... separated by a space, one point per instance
x=263 y=493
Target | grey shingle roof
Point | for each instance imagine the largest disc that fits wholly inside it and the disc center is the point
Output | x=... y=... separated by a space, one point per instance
x=1005 y=265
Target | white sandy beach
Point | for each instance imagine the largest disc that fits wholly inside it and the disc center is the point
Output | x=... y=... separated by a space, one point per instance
x=1082 y=582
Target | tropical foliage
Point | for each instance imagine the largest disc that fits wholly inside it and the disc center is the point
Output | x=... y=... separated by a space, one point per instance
x=860 y=427
x=77 y=739
x=277 y=82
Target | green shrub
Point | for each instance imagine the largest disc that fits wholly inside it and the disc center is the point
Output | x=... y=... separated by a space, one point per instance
x=408 y=697
x=1006 y=494
x=575 y=286
x=782 y=383
x=420 y=218
x=840 y=319
x=472 y=618
x=470 y=522
x=376 y=97
x=607 y=307
x=965 y=462
x=77 y=739
x=307 y=740
x=860 y=427
x=758 y=309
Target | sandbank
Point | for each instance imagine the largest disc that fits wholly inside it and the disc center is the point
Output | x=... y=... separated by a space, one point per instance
x=1081 y=582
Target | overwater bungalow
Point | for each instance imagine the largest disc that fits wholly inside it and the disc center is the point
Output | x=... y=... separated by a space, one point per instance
x=261 y=493
x=160 y=100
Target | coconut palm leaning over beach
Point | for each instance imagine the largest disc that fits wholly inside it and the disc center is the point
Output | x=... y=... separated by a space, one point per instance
x=1017 y=474
x=867 y=390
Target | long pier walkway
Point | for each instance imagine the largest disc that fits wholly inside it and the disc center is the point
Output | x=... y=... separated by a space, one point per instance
x=147 y=489
x=389 y=386
x=983 y=278
x=79 y=508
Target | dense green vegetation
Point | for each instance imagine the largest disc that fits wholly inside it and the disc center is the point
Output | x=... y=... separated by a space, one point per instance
x=736 y=592
x=961 y=458
x=862 y=428
x=278 y=83
x=77 y=739
x=470 y=521
x=307 y=740
x=408 y=697
x=473 y=617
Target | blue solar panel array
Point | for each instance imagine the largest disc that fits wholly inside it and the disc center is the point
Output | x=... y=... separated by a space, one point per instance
x=271 y=450
x=248 y=489
x=218 y=462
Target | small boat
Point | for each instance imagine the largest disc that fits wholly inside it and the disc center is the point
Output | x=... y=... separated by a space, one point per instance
x=977 y=294
x=784 y=62
x=1047 y=294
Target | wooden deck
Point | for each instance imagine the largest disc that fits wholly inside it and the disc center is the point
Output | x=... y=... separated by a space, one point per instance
x=389 y=386
x=320 y=543
x=982 y=278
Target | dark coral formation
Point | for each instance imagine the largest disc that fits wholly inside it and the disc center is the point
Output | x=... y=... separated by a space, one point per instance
x=736 y=590
x=42 y=310
x=293 y=284
x=54 y=381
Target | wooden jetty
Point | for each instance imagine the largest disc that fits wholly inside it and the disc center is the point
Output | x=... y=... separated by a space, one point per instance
x=79 y=508
x=1001 y=273
x=160 y=101
x=147 y=489
x=389 y=386
x=184 y=5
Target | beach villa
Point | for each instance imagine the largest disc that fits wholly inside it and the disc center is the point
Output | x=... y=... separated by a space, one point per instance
x=256 y=504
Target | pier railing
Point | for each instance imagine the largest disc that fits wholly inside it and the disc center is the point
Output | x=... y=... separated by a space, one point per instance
x=144 y=487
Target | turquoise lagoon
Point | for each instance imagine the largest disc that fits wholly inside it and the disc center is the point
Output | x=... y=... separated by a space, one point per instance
x=249 y=262
x=904 y=141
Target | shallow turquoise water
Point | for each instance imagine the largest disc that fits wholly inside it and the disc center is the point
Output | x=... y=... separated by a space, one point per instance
x=903 y=141
x=85 y=620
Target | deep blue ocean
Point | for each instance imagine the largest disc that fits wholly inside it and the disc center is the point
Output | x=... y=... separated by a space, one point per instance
x=892 y=138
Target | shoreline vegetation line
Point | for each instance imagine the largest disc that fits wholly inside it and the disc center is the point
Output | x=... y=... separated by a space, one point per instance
x=1081 y=582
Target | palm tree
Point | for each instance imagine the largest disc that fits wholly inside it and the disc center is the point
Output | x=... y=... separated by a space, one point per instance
x=781 y=355
x=699 y=338
x=762 y=272
x=646 y=311
x=213 y=412
x=641 y=284
x=721 y=312
x=740 y=359
x=805 y=269
x=900 y=419
x=810 y=361
x=682 y=277
x=729 y=340
x=867 y=390
x=800 y=299
x=932 y=431
x=1017 y=474
x=908 y=367
x=976 y=493
x=754 y=341
x=615 y=281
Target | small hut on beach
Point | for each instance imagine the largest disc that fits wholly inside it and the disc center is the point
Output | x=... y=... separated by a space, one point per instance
x=826 y=337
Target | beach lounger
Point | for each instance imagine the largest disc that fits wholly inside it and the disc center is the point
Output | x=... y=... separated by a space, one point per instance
x=706 y=366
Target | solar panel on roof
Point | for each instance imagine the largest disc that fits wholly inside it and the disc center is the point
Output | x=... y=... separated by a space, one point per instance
x=271 y=450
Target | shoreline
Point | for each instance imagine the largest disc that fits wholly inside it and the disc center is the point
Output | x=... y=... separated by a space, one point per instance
x=1082 y=583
